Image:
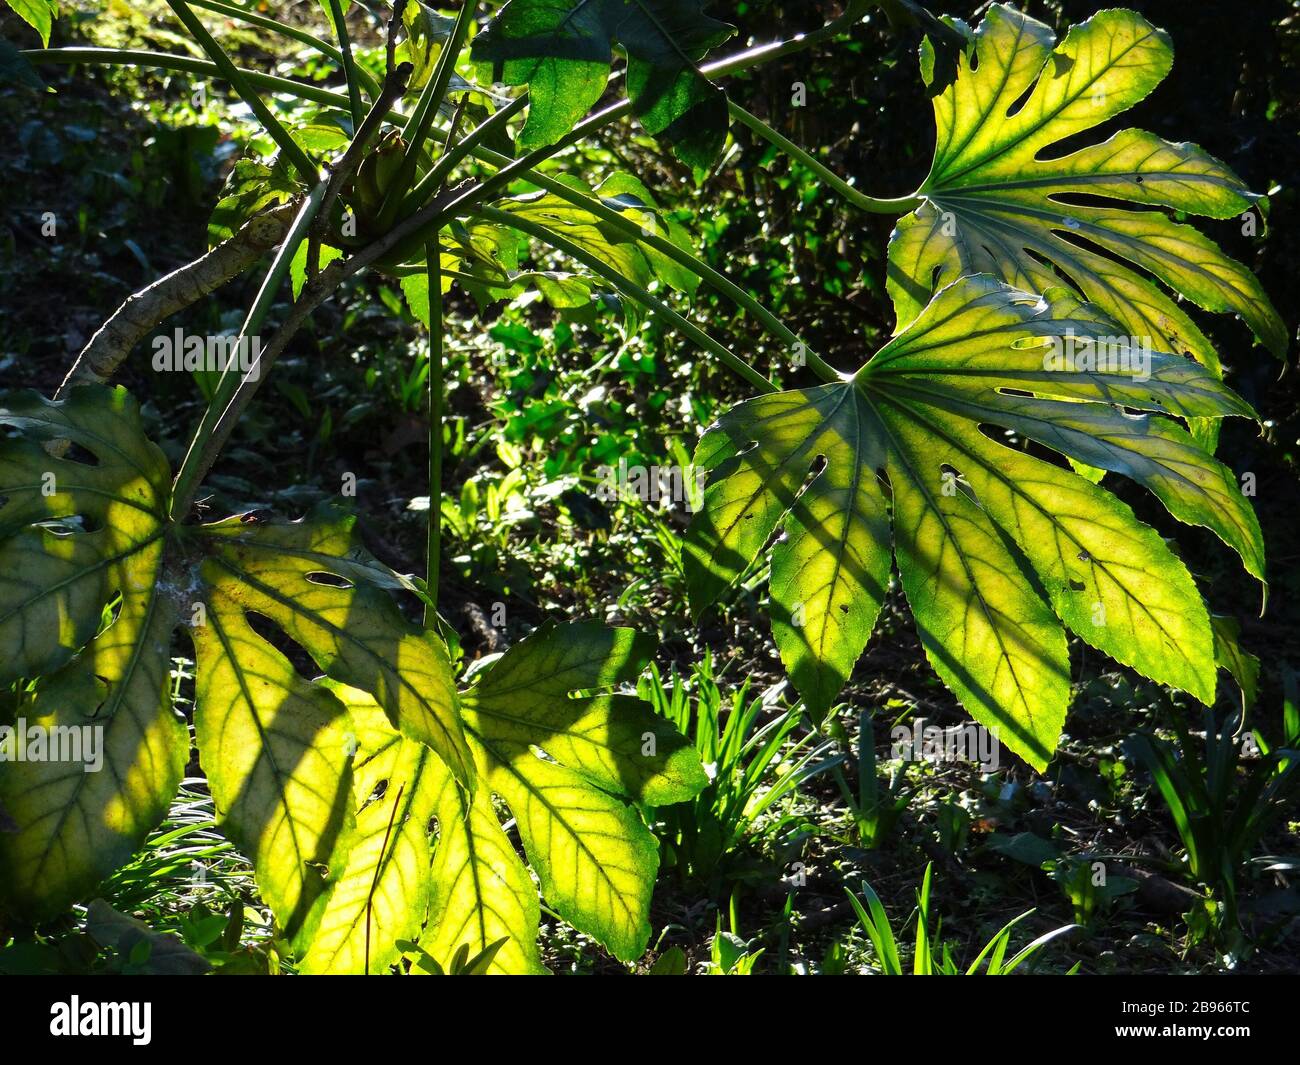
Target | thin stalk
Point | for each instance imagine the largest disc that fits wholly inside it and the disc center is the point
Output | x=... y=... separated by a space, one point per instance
x=417 y=126
x=433 y=180
x=394 y=86
x=728 y=65
x=629 y=288
x=204 y=447
x=520 y=167
x=292 y=149
x=853 y=14
x=349 y=64
x=395 y=12
x=430 y=217
x=472 y=143
x=284 y=30
x=433 y=556
x=139 y=57
x=243 y=14
x=521 y=278
x=860 y=200
x=682 y=257
x=453 y=126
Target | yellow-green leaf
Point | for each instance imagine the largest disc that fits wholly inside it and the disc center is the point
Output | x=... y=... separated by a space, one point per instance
x=75 y=535
x=382 y=892
x=1230 y=655
x=38 y=14
x=993 y=545
x=831 y=567
x=275 y=753
x=313 y=580
x=1002 y=199
x=627 y=195
x=482 y=892
x=593 y=855
x=96 y=580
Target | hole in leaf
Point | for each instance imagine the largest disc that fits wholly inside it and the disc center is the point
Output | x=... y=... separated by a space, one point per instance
x=68 y=525
x=77 y=453
x=1019 y=102
x=1073 y=238
x=1089 y=199
x=1065 y=278
x=328 y=580
x=376 y=794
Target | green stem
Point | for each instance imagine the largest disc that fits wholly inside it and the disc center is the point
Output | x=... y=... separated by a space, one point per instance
x=273 y=83
x=722 y=67
x=138 y=57
x=393 y=87
x=433 y=556
x=293 y=151
x=521 y=278
x=509 y=169
x=682 y=257
x=284 y=30
x=349 y=64
x=199 y=457
x=800 y=42
x=433 y=180
x=241 y=14
x=417 y=126
x=435 y=177
x=518 y=168
x=629 y=288
x=858 y=199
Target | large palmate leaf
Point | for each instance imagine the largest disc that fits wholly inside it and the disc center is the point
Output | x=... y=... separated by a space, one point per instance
x=562 y=50
x=566 y=767
x=992 y=544
x=95 y=581
x=1002 y=198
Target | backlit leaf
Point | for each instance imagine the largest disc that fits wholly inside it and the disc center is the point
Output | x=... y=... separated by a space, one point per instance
x=38 y=14
x=111 y=687
x=993 y=544
x=1003 y=198
x=594 y=856
x=96 y=580
x=627 y=195
x=566 y=768
x=384 y=888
